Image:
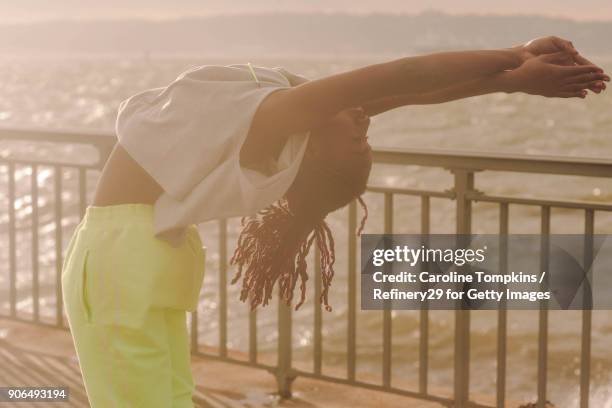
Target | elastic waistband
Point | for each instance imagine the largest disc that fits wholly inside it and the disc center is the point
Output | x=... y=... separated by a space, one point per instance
x=120 y=214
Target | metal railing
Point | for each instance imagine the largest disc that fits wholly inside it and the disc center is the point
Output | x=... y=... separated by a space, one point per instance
x=463 y=167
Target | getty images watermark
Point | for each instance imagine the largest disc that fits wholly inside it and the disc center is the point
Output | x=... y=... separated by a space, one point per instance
x=486 y=272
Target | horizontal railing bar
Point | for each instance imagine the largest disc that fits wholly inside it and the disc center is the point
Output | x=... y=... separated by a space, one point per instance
x=583 y=166
x=101 y=138
x=410 y=191
x=578 y=205
x=68 y=165
x=478 y=161
x=30 y=319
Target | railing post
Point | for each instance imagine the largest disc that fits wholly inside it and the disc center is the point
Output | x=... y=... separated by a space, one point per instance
x=12 y=247
x=387 y=311
x=424 y=312
x=194 y=331
x=59 y=307
x=585 y=346
x=543 y=315
x=351 y=324
x=223 y=287
x=284 y=372
x=464 y=184
x=502 y=316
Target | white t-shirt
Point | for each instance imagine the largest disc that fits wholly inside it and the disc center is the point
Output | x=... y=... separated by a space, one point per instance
x=188 y=137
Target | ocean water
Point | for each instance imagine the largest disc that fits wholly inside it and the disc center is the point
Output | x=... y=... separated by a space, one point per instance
x=84 y=92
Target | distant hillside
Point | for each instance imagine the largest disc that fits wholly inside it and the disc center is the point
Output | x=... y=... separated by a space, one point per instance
x=299 y=34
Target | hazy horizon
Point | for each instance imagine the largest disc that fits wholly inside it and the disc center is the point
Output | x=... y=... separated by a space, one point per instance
x=294 y=33
x=39 y=10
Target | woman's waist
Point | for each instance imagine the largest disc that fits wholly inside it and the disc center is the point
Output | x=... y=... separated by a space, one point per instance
x=126 y=233
x=135 y=220
x=119 y=214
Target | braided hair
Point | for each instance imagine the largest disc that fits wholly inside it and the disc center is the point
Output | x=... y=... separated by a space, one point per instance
x=274 y=243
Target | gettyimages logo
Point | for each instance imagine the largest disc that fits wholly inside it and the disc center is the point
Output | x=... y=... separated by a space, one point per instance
x=485 y=272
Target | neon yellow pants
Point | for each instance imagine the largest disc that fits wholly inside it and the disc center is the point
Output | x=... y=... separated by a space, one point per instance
x=126 y=294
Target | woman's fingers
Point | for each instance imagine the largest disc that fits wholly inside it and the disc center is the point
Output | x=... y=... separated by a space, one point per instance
x=580 y=86
x=591 y=76
x=580 y=60
x=563 y=44
x=579 y=69
x=599 y=87
x=588 y=76
x=595 y=81
x=596 y=88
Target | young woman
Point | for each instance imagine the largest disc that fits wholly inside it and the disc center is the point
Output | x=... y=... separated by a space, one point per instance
x=251 y=141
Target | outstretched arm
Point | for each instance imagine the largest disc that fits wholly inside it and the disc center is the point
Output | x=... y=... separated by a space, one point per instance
x=523 y=79
x=309 y=105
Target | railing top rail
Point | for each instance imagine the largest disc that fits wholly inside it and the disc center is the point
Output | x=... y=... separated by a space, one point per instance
x=478 y=161
x=449 y=159
x=103 y=138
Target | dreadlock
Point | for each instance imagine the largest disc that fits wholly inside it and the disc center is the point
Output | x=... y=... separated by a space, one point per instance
x=273 y=244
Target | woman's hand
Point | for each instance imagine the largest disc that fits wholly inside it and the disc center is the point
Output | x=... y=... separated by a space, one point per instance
x=552 y=75
x=552 y=44
x=544 y=45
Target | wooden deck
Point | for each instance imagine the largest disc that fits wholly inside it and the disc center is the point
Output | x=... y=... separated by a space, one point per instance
x=34 y=355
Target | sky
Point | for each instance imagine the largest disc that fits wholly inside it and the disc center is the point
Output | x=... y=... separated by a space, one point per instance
x=18 y=11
